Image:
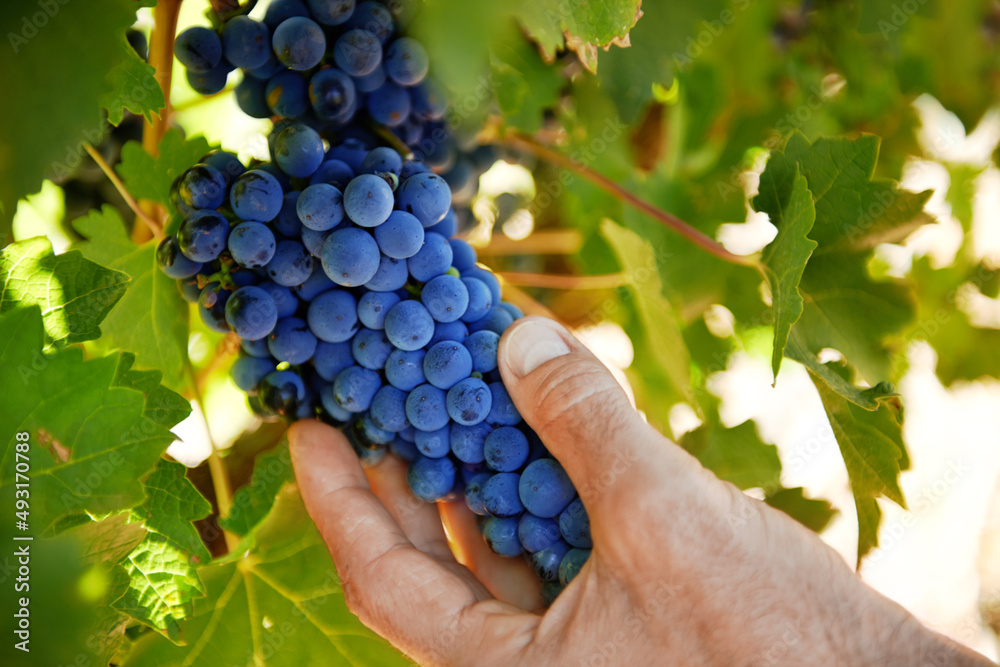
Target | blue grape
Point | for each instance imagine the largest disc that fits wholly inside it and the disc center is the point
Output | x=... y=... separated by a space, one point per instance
x=202 y=186
x=401 y=236
x=545 y=488
x=209 y=295
x=371 y=81
x=251 y=244
x=433 y=444
x=281 y=177
x=390 y=276
x=429 y=100
x=212 y=81
x=355 y=387
x=506 y=449
x=331 y=12
x=335 y=172
x=514 y=311
x=227 y=163
x=256 y=196
x=291 y=341
x=299 y=43
x=411 y=168
x=503 y=411
x=298 y=150
x=382 y=159
x=331 y=358
x=463 y=255
x=501 y=536
x=431 y=479
x=357 y=52
x=350 y=257
x=352 y=151
x=286 y=95
x=389 y=104
x=425 y=408
x=448 y=331
x=333 y=408
x=279 y=10
x=445 y=297
x=270 y=67
x=332 y=95
x=388 y=409
x=469 y=401
x=468 y=442
x=251 y=313
x=202 y=235
x=482 y=346
x=246 y=42
x=537 y=533
x=198 y=48
x=546 y=562
x=487 y=279
x=247 y=372
x=474 y=493
x=496 y=320
x=403 y=449
x=432 y=260
x=374 y=306
x=500 y=496
x=291 y=265
x=375 y=435
x=281 y=392
x=313 y=241
x=287 y=221
x=251 y=97
x=480 y=300
x=446 y=363
x=173 y=262
x=405 y=369
x=214 y=316
x=368 y=200
x=373 y=17
x=448 y=226
x=408 y=433
x=571 y=565
x=406 y=61
x=574 y=525
x=189 y=288
x=371 y=348
x=409 y=326
x=256 y=348
x=333 y=316
x=320 y=207
x=317 y=282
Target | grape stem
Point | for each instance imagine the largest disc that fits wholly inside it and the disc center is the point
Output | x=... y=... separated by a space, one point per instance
x=566 y=282
x=154 y=227
x=710 y=245
x=543 y=242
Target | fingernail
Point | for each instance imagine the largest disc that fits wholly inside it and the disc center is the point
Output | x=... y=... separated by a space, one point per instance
x=531 y=344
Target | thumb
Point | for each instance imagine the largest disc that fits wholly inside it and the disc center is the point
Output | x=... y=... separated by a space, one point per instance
x=576 y=407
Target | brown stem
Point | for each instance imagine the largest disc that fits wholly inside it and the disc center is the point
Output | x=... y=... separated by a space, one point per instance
x=545 y=242
x=161 y=57
x=152 y=225
x=550 y=281
x=707 y=243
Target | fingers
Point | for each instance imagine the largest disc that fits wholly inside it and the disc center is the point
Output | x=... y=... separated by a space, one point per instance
x=508 y=579
x=397 y=590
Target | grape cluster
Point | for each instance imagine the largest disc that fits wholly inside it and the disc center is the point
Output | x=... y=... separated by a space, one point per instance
x=338 y=271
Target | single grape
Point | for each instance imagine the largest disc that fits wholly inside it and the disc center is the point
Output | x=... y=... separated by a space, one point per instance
x=403 y=449
x=425 y=408
x=339 y=415
x=500 y=496
x=291 y=341
x=212 y=81
x=331 y=12
x=574 y=525
x=299 y=43
x=445 y=297
x=189 y=288
x=198 y=48
x=279 y=10
x=405 y=369
x=389 y=104
x=313 y=241
x=537 y=533
x=446 y=363
x=468 y=442
x=291 y=265
x=411 y=168
x=463 y=254
x=202 y=186
x=487 y=279
x=172 y=261
x=382 y=159
x=545 y=488
x=287 y=222
x=209 y=295
x=474 y=493
x=256 y=348
x=429 y=100
x=371 y=348
x=390 y=276
x=506 y=449
x=331 y=358
x=352 y=151
x=256 y=196
x=357 y=52
x=448 y=226
x=251 y=244
x=482 y=346
x=401 y=236
x=355 y=387
x=480 y=300
x=335 y=172
x=373 y=435
x=432 y=260
x=246 y=42
x=317 y=283
x=350 y=257
x=373 y=17
x=333 y=316
x=431 y=479
x=571 y=565
x=298 y=150
x=503 y=411
x=286 y=94
x=546 y=562
x=251 y=313
x=514 y=311
x=202 y=235
x=368 y=200
x=227 y=163
x=388 y=409
x=497 y=320
x=469 y=401
x=214 y=316
x=247 y=372
x=281 y=392
x=332 y=95
x=449 y=331
x=406 y=61
x=374 y=306
x=371 y=81
x=433 y=444
x=501 y=536
x=251 y=97
x=320 y=207
x=409 y=326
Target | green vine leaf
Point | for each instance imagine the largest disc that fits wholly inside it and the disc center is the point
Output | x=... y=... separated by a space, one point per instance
x=814 y=514
x=172 y=504
x=148 y=177
x=737 y=454
x=74 y=293
x=251 y=503
x=134 y=87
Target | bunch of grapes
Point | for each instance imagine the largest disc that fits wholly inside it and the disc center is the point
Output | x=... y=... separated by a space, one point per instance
x=338 y=271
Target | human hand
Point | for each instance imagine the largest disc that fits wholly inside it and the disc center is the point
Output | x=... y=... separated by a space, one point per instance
x=685 y=569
